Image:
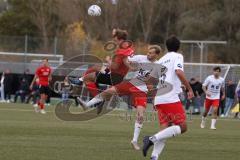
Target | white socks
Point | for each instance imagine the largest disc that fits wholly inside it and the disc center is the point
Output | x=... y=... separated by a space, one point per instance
x=166 y=133
x=160 y=138
x=158 y=148
x=81 y=79
x=93 y=101
x=213 y=124
x=137 y=130
x=203 y=118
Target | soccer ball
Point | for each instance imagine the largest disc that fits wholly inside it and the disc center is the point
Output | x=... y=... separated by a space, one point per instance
x=94 y=10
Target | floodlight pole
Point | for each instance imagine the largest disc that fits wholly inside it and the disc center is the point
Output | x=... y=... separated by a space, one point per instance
x=201 y=45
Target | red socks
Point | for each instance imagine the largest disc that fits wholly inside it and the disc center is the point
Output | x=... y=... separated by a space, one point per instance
x=41 y=105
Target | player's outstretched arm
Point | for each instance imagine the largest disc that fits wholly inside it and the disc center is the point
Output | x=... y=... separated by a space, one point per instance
x=184 y=81
x=129 y=64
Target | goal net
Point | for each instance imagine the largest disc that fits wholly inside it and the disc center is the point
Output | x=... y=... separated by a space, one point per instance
x=202 y=70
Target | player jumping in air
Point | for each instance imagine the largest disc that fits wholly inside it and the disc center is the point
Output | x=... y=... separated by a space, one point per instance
x=118 y=66
x=136 y=88
x=43 y=73
x=212 y=86
x=170 y=110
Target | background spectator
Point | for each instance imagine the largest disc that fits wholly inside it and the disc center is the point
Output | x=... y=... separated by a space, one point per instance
x=197 y=100
x=238 y=99
x=221 y=105
x=230 y=94
x=34 y=94
x=2 y=99
x=27 y=76
x=22 y=91
x=8 y=85
x=65 y=91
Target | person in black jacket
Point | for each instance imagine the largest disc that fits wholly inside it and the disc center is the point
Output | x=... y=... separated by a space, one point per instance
x=8 y=85
x=197 y=90
x=22 y=91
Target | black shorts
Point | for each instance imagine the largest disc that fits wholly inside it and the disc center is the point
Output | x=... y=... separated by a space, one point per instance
x=44 y=90
x=109 y=79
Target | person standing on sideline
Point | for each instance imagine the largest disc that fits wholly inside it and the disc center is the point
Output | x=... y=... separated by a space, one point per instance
x=230 y=95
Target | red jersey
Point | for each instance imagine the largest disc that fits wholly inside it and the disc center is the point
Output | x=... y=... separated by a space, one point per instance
x=43 y=73
x=118 y=58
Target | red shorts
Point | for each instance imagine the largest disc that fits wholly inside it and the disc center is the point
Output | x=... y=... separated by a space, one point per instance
x=211 y=102
x=138 y=97
x=171 y=113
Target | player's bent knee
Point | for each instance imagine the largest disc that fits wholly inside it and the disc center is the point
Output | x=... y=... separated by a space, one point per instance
x=140 y=119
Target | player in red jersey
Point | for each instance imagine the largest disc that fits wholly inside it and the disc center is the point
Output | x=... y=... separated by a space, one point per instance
x=118 y=66
x=43 y=73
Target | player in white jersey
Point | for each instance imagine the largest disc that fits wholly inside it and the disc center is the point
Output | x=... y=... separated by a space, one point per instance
x=171 y=113
x=212 y=87
x=136 y=88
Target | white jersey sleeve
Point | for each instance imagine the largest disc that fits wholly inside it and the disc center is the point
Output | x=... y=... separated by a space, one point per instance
x=135 y=58
x=206 y=82
x=178 y=63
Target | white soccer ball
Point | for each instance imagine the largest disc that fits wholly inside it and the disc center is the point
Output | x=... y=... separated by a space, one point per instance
x=94 y=10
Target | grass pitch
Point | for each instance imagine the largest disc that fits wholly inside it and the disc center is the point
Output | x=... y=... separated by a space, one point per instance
x=25 y=135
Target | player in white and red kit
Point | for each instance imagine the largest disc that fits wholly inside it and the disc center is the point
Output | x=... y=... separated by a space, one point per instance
x=171 y=113
x=136 y=88
x=43 y=74
x=212 y=87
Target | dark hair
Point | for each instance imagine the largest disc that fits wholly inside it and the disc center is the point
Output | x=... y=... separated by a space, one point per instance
x=45 y=59
x=217 y=68
x=173 y=44
x=120 y=34
x=157 y=48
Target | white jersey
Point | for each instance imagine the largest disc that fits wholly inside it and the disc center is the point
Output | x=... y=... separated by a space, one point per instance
x=213 y=86
x=144 y=67
x=169 y=85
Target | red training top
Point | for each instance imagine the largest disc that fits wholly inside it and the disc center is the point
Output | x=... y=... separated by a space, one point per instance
x=120 y=54
x=43 y=73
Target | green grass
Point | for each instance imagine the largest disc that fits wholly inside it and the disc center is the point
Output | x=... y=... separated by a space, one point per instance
x=25 y=135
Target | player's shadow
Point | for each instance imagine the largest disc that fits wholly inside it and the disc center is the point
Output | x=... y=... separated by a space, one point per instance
x=62 y=110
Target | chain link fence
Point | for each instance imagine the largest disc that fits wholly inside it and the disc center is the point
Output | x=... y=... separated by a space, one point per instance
x=26 y=53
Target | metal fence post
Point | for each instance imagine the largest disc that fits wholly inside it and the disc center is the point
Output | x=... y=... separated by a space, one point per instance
x=55 y=45
x=25 y=51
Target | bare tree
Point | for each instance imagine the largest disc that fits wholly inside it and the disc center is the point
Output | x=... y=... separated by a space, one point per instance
x=43 y=15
